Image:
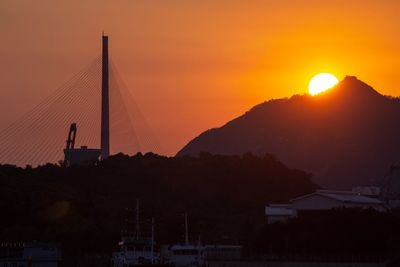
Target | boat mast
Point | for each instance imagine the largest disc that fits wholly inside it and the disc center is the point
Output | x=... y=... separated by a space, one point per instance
x=186 y=230
x=137 y=220
x=152 y=240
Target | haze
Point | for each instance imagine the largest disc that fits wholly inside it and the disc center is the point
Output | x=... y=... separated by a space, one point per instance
x=193 y=65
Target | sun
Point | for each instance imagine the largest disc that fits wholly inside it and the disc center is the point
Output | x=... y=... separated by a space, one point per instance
x=321 y=82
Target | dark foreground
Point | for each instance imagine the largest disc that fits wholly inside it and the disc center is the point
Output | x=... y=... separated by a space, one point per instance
x=86 y=208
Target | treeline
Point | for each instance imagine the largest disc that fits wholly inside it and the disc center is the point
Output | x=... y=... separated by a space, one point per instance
x=341 y=234
x=85 y=208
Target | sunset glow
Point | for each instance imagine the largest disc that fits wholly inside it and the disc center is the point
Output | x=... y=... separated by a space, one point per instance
x=321 y=82
x=269 y=128
x=197 y=63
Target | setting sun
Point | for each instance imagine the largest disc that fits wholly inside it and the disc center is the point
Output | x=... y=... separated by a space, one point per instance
x=321 y=82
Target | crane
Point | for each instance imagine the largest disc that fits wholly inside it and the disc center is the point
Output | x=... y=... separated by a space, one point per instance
x=71 y=136
x=82 y=155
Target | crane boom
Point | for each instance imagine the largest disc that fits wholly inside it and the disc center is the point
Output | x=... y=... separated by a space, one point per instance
x=71 y=136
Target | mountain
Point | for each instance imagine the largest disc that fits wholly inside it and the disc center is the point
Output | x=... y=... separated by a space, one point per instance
x=347 y=136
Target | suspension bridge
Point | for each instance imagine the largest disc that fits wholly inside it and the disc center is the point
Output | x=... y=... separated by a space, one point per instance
x=95 y=105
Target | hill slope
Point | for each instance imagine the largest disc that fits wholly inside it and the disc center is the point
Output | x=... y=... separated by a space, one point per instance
x=346 y=136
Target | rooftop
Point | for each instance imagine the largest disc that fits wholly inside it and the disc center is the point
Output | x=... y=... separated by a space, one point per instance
x=343 y=196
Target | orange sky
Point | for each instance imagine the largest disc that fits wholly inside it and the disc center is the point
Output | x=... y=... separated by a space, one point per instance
x=193 y=65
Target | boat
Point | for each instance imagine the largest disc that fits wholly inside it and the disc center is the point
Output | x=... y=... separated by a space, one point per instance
x=187 y=255
x=199 y=255
x=30 y=254
x=136 y=250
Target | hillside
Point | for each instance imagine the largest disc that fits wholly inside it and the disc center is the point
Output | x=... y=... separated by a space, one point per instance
x=345 y=137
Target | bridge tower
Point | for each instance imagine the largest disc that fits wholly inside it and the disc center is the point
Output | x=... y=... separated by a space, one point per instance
x=105 y=105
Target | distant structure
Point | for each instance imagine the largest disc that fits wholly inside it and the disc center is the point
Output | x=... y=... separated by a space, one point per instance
x=73 y=156
x=322 y=200
x=98 y=101
x=29 y=254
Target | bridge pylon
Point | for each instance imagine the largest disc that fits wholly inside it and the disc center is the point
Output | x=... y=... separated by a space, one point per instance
x=105 y=103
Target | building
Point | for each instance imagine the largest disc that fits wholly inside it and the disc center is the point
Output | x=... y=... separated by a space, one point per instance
x=322 y=200
x=329 y=199
x=82 y=155
x=29 y=255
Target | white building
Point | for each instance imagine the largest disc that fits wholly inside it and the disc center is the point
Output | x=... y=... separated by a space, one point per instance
x=29 y=255
x=329 y=199
x=322 y=200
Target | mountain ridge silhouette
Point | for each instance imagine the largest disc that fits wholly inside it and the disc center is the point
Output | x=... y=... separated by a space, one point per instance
x=346 y=136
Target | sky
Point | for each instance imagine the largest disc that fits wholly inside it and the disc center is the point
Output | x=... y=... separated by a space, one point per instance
x=194 y=65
